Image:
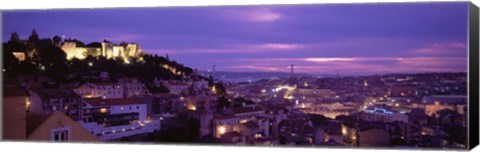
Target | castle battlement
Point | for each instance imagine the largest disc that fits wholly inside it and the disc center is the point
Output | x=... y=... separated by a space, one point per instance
x=106 y=49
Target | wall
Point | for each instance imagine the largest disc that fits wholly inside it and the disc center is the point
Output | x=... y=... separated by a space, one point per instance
x=142 y=110
x=373 y=138
x=14 y=114
x=56 y=120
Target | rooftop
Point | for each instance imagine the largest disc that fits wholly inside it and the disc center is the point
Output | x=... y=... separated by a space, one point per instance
x=34 y=120
x=240 y=110
x=56 y=93
x=97 y=102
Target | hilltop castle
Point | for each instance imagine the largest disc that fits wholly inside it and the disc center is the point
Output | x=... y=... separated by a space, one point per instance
x=107 y=49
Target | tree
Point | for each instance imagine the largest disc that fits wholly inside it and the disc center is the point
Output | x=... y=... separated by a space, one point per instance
x=220 y=89
x=51 y=55
x=222 y=103
x=57 y=40
x=33 y=38
x=53 y=61
x=14 y=37
x=9 y=60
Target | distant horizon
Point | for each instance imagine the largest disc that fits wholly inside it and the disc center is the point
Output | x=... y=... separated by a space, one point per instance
x=358 y=39
x=317 y=74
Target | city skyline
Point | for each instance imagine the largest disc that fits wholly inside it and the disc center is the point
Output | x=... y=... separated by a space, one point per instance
x=317 y=39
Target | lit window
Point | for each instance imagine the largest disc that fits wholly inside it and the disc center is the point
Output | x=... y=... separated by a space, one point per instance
x=103 y=110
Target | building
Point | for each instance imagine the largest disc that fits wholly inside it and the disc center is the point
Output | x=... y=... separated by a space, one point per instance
x=275 y=113
x=15 y=105
x=193 y=102
x=433 y=104
x=366 y=134
x=176 y=87
x=116 y=118
x=21 y=56
x=383 y=115
x=107 y=49
x=132 y=87
x=205 y=118
x=100 y=90
x=296 y=130
x=50 y=100
x=233 y=137
x=403 y=91
x=159 y=104
x=373 y=135
x=333 y=133
x=57 y=127
x=224 y=124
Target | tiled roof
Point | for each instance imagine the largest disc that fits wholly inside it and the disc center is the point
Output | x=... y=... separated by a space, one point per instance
x=370 y=125
x=56 y=93
x=33 y=120
x=97 y=102
x=246 y=109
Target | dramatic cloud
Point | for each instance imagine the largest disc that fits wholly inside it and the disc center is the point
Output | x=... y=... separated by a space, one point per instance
x=254 y=15
x=453 y=48
x=280 y=46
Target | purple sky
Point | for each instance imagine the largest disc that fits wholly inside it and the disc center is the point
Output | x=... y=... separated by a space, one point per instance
x=322 y=38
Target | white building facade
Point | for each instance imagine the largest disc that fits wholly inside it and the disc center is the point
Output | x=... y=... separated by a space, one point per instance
x=116 y=118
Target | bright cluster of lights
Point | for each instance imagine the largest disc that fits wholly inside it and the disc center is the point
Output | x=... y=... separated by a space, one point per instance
x=221 y=130
x=103 y=110
x=27 y=104
x=381 y=110
x=281 y=87
x=191 y=107
x=289 y=97
x=214 y=89
x=173 y=70
x=344 y=131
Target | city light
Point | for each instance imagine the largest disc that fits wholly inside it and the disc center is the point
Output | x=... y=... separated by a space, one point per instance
x=289 y=97
x=344 y=130
x=27 y=104
x=288 y=88
x=214 y=89
x=191 y=107
x=221 y=130
x=103 y=110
